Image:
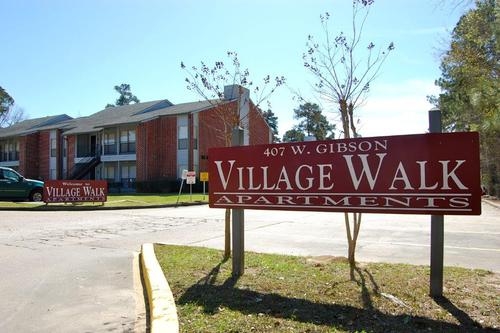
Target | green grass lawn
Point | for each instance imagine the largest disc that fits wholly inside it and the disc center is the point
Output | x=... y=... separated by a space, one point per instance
x=296 y=294
x=136 y=200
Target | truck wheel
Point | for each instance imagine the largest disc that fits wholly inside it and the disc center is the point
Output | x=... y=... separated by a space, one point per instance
x=36 y=195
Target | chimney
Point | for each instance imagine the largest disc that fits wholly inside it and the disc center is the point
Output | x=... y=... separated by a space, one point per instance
x=234 y=91
x=242 y=94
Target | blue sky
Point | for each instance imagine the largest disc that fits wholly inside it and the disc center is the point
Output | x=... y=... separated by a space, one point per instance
x=66 y=56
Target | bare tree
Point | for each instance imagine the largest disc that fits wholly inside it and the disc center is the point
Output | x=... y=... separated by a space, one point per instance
x=14 y=115
x=209 y=82
x=344 y=68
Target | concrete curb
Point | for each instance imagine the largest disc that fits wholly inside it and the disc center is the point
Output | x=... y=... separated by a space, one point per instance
x=162 y=309
x=491 y=202
x=97 y=207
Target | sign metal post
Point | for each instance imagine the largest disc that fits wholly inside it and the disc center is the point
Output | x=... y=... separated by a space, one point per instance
x=183 y=178
x=437 y=226
x=238 y=221
x=190 y=180
x=204 y=179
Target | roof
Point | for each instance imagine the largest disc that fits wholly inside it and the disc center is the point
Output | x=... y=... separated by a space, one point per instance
x=133 y=114
x=33 y=125
x=108 y=117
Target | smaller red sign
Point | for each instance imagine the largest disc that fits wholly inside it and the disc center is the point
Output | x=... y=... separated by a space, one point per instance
x=75 y=191
x=191 y=177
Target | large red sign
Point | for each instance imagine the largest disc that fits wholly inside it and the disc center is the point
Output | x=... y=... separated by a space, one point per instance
x=412 y=174
x=75 y=191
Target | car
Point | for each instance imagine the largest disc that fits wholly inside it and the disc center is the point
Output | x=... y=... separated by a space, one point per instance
x=14 y=186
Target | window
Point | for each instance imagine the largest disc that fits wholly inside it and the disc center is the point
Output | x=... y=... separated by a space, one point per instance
x=53 y=148
x=109 y=143
x=12 y=151
x=127 y=141
x=183 y=144
x=14 y=176
x=82 y=145
x=109 y=172
x=9 y=150
x=195 y=137
x=3 y=151
x=183 y=141
x=128 y=175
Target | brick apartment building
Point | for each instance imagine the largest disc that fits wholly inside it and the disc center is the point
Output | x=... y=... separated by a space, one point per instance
x=32 y=146
x=142 y=142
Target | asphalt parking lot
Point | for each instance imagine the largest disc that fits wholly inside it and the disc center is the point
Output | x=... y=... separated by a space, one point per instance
x=76 y=271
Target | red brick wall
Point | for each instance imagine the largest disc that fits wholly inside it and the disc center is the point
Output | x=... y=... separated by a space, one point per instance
x=22 y=155
x=44 y=155
x=140 y=151
x=211 y=129
x=34 y=155
x=156 y=143
x=258 y=128
x=29 y=161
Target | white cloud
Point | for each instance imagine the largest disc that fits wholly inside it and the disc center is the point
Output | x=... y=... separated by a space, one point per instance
x=393 y=109
x=390 y=109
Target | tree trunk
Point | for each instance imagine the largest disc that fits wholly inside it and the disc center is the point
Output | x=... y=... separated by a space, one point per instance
x=351 y=232
x=345 y=118
x=351 y=120
x=352 y=238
